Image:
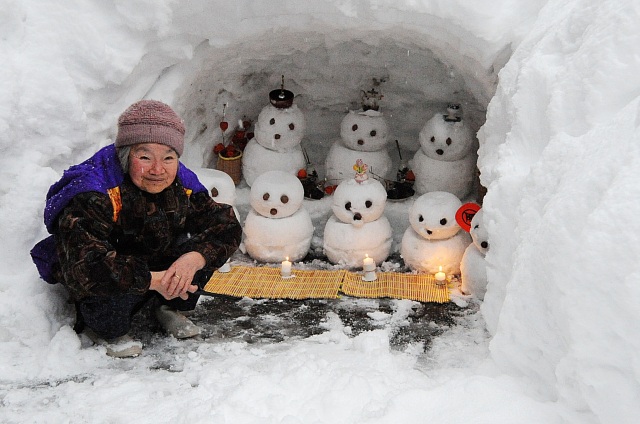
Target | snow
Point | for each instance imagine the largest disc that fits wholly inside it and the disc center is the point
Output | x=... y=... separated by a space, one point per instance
x=559 y=153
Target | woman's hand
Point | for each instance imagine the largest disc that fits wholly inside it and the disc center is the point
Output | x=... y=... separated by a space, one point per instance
x=176 y=281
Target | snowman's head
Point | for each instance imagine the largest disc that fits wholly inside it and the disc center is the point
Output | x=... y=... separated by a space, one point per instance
x=220 y=185
x=364 y=131
x=446 y=140
x=433 y=215
x=479 y=233
x=276 y=194
x=358 y=203
x=280 y=129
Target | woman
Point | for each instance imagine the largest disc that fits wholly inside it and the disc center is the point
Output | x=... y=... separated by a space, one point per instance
x=132 y=223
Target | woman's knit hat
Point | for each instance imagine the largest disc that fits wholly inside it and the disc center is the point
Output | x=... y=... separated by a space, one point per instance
x=150 y=121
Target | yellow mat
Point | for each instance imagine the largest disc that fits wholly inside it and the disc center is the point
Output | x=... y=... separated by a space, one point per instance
x=420 y=287
x=266 y=282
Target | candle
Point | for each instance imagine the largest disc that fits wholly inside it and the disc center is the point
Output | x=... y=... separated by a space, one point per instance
x=285 y=268
x=368 y=264
x=440 y=276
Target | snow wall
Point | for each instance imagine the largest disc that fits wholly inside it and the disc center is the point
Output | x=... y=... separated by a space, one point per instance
x=557 y=153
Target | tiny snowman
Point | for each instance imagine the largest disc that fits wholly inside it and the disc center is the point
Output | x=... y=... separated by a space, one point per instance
x=473 y=266
x=277 y=137
x=363 y=135
x=446 y=160
x=358 y=227
x=223 y=190
x=434 y=239
x=277 y=227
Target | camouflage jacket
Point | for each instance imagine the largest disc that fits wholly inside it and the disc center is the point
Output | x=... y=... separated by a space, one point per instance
x=101 y=253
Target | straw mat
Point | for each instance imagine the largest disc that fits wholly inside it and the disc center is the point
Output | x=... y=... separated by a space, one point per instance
x=266 y=282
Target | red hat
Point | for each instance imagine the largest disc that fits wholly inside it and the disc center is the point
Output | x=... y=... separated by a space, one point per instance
x=150 y=121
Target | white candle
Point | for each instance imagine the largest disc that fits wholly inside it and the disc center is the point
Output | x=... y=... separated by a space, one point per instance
x=440 y=276
x=368 y=264
x=285 y=268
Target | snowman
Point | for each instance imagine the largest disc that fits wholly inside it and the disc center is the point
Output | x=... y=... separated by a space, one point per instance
x=434 y=239
x=446 y=160
x=363 y=135
x=277 y=226
x=474 y=266
x=358 y=227
x=220 y=185
x=277 y=137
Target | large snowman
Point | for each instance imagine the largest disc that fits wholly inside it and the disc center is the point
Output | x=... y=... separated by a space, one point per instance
x=446 y=160
x=358 y=227
x=473 y=266
x=363 y=135
x=277 y=226
x=277 y=136
x=434 y=239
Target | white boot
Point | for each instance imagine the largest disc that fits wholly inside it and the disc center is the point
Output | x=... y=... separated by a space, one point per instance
x=120 y=347
x=176 y=323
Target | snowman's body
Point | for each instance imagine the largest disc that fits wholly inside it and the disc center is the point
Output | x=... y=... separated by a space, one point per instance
x=434 y=239
x=446 y=160
x=473 y=266
x=277 y=226
x=276 y=145
x=358 y=226
x=363 y=135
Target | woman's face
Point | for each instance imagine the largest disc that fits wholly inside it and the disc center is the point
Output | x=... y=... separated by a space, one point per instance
x=152 y=167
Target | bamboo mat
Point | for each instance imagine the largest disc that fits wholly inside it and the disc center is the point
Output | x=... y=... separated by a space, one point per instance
x=420 y=287
x=266 y=282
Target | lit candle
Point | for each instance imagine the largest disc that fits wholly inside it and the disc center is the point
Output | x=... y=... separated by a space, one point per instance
x=368 y=264
x=440 y=276
x=285 y=268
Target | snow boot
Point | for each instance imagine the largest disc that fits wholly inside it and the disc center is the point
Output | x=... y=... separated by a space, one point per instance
x=176 y=323
x=120 y=347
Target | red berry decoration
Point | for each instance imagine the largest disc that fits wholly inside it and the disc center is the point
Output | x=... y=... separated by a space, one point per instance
x=218 y=148
x=410 y=176
x=224 y=125
x=302 y=173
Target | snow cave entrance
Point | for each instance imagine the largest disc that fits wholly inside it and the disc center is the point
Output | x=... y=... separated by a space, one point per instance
x=328 y=73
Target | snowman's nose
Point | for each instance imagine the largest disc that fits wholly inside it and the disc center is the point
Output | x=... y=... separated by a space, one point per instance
x=440 y=151
x=357 y=216
x=273 y=211
x=277 y=136
x=360 y=142
x=484 y=244
x=429 y=232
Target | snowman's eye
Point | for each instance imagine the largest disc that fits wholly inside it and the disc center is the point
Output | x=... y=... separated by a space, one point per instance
x=448 y=141
x=284 y=198
x=354 y=127
x=347 y=206
x=420 y=218
x=368 y=203
x=272 y=121
x=443 y=221
x=291 y=126
x=373 y=133
x=476 y=227
x=214 y=192
x=265 y=196
x=433 y=139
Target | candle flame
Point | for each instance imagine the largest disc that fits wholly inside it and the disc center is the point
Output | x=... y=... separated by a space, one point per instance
x=287 y=258
x=440 y=268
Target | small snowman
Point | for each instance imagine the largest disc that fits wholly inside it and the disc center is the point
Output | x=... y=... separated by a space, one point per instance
x=277 y=227
x=364 y=135
x=277 y=137
x=434 y=239
x=446 y=160
x=358 y=227
x=222 y=189
x=473 y=266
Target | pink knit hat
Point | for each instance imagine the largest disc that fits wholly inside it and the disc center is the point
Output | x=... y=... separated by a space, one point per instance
x=150 y=121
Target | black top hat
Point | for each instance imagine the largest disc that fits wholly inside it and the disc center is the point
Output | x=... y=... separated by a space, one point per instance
x=281 y=98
